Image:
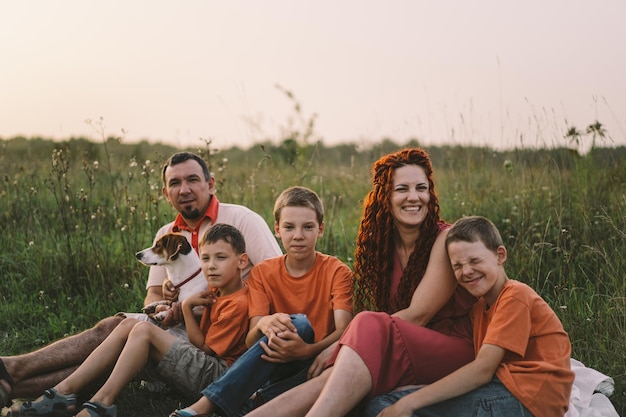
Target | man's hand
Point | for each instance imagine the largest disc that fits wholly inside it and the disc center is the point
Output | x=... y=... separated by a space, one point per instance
x=170 y=292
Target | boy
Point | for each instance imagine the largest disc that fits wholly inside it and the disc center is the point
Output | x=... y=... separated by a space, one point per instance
x=213 y=345
x=522 y=364
x=285 y=293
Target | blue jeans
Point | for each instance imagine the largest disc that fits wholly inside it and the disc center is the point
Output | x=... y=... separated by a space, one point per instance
x=490 y=400
x=250 y=372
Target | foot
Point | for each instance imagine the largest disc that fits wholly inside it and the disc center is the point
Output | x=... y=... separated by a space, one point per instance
x=51 y=403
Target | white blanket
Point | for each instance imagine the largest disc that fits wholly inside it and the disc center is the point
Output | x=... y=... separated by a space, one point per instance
x=590 y=393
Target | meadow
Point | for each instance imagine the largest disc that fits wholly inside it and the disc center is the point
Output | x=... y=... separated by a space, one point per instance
x=73 y=214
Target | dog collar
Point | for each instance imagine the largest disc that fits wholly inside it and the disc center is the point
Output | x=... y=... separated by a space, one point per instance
x=188 y=279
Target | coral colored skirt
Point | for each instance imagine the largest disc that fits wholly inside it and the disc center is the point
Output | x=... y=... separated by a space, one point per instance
x=399 y=353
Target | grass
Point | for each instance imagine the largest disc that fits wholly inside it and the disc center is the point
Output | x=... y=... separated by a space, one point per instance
x=74 y=213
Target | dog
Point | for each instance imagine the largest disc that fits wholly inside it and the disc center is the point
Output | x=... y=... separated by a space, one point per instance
x=183 y=266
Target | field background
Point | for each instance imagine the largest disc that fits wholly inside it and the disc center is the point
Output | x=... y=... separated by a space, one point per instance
x=73 y=213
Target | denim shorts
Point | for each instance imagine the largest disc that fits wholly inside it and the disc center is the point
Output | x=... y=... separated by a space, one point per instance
x=490 y=400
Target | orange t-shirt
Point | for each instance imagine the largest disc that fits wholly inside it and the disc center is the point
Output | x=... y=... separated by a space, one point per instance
x=536 y=365
x=225 y=325
x=323 y=289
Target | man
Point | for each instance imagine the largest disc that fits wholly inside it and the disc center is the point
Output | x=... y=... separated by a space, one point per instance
x=189 y=187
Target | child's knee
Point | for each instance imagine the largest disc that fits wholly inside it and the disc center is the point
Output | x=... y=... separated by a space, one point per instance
x=303 y=326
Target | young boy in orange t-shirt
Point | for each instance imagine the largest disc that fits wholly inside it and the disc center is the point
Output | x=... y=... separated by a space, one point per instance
x=300 y=303
x=214 y=343
x=522 y=365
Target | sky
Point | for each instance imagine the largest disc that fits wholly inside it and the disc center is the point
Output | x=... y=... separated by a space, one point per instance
x=482 y=72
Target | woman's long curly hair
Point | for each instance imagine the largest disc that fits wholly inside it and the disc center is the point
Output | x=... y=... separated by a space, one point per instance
x=375 y=247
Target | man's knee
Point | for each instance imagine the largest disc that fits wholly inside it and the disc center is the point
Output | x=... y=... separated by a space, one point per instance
x=105 y=326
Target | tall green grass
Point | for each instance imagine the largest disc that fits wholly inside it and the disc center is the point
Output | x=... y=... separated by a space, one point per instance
x=74 y=213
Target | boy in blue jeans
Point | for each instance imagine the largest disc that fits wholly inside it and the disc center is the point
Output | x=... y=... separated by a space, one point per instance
x=299 y=304
x=522 y=365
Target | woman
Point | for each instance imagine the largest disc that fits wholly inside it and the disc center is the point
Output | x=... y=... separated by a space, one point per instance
x=401 y=265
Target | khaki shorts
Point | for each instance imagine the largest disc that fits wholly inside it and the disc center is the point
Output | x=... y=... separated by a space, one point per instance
x=188 y=369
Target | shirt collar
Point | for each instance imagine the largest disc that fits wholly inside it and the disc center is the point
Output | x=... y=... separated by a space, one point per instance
x=210 y=214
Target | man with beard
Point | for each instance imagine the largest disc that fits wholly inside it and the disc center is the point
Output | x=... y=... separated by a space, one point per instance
x=189 y=187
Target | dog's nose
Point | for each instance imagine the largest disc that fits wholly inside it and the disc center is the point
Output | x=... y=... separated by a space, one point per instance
x=138 y=255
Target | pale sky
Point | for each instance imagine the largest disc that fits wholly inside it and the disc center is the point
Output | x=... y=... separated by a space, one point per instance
x=499 y=72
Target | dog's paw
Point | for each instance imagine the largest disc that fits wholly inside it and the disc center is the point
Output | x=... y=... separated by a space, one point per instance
x=152 y=307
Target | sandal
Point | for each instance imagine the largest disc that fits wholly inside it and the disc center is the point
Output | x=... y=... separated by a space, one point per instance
x=4 y=394
x=53 y=403
x=96 y=409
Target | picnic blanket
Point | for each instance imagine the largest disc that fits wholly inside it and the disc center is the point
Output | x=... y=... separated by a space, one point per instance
x=590 y=393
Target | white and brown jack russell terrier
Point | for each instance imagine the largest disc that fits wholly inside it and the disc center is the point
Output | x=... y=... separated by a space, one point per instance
x=183 y=266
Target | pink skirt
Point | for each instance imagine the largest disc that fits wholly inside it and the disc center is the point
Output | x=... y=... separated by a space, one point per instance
x=399 y=353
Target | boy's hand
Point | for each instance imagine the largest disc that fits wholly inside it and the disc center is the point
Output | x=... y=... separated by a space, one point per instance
x=170 y=292
x=275 y=324
x=319 y=364
x=399 y=409
x=204 y=298
x=286 y=346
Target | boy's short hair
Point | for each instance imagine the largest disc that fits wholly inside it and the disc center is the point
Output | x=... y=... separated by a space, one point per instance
x=228 y=234
x=299 y=197
x=475 y=228
x=180 y=157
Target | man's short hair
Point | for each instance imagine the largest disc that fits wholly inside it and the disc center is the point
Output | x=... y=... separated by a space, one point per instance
x=181 y=157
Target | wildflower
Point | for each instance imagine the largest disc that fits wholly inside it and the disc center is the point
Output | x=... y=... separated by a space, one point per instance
x=508 y=165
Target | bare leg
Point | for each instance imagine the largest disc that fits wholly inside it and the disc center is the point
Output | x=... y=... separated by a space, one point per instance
x=35 y=371
x=295 y=402
x=144 y=341
x=347 y=385
x=100 y=361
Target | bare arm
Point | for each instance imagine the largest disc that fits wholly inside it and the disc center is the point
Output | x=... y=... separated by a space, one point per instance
x=326 y=346
x=153 y=294
x=465 y=379
x=196 y=336
x=436 y=288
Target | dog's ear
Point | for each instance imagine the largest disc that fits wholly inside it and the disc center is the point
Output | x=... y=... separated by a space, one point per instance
x=178 y=246
x=175 y=252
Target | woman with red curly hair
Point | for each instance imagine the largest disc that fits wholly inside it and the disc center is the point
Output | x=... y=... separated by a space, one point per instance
x=414 y=325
